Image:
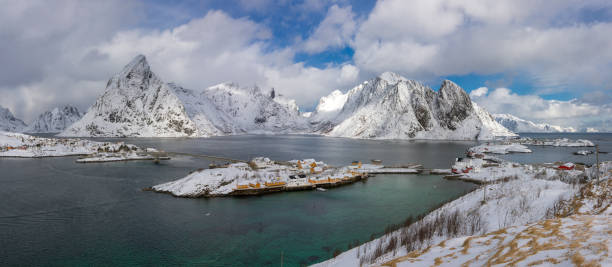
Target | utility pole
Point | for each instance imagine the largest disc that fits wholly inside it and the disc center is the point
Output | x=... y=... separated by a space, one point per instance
x=281 y=258
x=484 y=192
x=597 y=160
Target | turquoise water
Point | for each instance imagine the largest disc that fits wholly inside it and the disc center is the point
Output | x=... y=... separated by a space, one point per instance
x=56 y=212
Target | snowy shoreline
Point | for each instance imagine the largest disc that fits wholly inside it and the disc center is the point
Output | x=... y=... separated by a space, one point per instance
x=15 y=145
x=510 y=195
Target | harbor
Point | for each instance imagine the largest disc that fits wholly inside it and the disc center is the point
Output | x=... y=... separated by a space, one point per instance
x=262 y=175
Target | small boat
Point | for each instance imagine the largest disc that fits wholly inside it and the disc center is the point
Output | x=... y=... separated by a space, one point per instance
x=376 y=162
x=583 y=152
x=321 y=189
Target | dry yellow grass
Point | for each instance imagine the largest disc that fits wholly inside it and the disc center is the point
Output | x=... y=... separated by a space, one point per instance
x=572 y=233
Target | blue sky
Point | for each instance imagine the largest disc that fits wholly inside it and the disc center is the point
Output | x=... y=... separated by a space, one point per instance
x=289 y=20
x=546 y=61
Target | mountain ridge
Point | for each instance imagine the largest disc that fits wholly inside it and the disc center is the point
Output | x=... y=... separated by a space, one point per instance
x=136 y=102
x=55 y=120
x=517 y=124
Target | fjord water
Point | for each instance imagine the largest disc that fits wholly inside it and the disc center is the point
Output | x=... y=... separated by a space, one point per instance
x=57 y=212
x=544 y=154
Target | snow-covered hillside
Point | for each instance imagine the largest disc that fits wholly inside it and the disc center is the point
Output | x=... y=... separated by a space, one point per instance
x=393 y=107
x=228 y=108
x=519 y=125
x=54 y=121
x=136 y=103
x=9 y=123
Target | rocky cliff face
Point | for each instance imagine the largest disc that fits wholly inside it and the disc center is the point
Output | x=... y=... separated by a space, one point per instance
x=135 y=103
x=55 y=120
x=393 y=107
x=9 y=123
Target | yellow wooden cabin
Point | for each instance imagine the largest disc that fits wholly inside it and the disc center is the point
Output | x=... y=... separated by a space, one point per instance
x=271 y=184
x=241 y=186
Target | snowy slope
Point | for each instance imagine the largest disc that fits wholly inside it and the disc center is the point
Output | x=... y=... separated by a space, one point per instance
x=136 y=103
x=393 y=107
x=228 y=108
x=9 y=123
x=54 y=121
x=519 y=125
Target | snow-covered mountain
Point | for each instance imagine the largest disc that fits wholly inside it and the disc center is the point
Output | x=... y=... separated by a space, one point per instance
x=9 y=123
x=228 y=108
x=519 y=125
x=136 y=103
x=393 y=107
x=55 y=120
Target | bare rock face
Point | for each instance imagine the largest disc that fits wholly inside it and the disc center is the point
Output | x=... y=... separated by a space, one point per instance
x=9 y=123
x=393 y=107
x=135 y=103
x=453 y=105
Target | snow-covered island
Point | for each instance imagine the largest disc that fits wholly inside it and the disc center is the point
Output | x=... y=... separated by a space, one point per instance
x=262 y=175
x=27 y=146
x=564 y=142
x=503 y=148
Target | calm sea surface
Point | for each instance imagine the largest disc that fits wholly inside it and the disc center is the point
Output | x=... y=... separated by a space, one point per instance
x=57 y=212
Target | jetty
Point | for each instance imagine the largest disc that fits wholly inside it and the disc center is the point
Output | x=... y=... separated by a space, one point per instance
x=301 y=184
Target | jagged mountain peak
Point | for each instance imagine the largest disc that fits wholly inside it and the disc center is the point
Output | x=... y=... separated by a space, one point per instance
x=391 y=77
x=234 y=87
x=135 y=103
x=55 y=120
x=137 y=64
x=398 y=108
x=450 y=89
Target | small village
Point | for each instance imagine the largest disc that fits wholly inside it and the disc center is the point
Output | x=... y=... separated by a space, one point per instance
x=262 y=175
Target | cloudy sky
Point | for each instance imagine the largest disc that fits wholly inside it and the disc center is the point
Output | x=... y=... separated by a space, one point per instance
x=540 y=60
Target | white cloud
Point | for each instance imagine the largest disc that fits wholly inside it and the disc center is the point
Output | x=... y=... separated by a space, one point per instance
x=66 y=50
x=67 y=64
x=479 y=92
x=335 y=31
x=572 y=113
x=41 y=46
x=218 y=48
x=550 y=41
